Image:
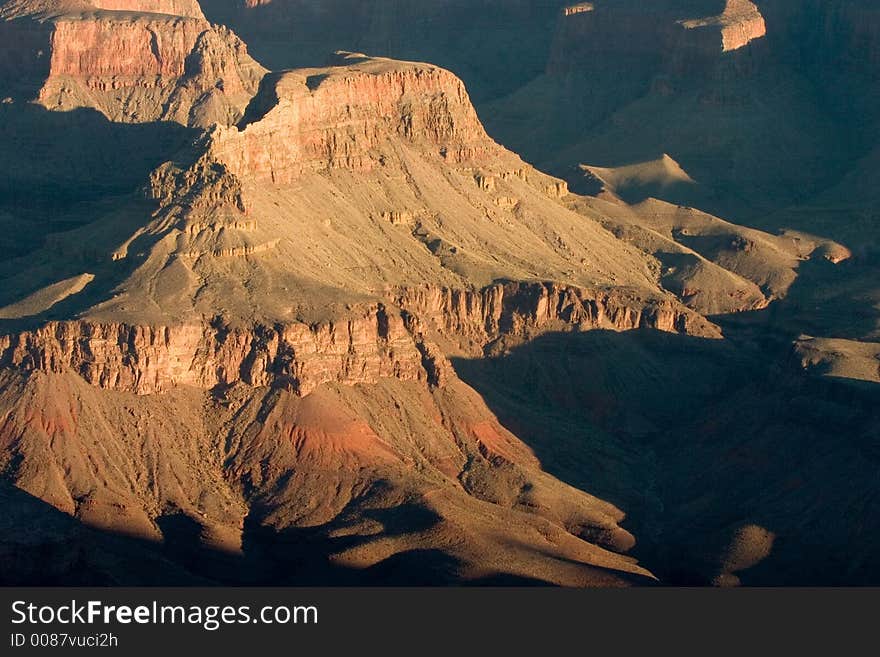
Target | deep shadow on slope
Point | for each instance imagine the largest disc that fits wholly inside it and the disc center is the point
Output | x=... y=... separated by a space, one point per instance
x=827 y=300
x=59 y=170
x=42 y=546
x=759 y=128
x=494 y=46
x=699 y=439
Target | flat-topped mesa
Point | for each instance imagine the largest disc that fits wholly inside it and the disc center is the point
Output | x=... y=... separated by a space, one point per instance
x=353 y=116
x=134 y=61
x=522 y=310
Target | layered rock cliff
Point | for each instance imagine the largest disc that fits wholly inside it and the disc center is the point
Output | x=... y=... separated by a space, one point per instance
x=527 y=310
x=842 y=32
x=343 y=118
x=147 y=360
x=738 y=24
x=134 y=62
x=379 y=342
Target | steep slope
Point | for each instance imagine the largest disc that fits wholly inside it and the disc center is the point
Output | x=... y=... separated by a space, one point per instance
x=365 y=474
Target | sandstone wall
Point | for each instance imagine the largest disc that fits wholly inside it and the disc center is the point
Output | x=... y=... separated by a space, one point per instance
x=122 y=51
x=377 y=342
x=132 y=67
x=344 y=118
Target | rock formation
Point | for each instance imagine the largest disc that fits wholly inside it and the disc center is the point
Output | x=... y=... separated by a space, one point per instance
x=134 y=62
x=679 y=43
x=377 y=344
x=739 y=24
x=620 y=77
x=339 y=118
x=281 y=283
x=317 y=326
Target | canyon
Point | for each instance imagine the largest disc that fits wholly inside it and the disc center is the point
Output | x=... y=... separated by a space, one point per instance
x=293 y=309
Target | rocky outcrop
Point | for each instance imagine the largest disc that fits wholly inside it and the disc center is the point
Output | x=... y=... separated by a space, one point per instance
x=528 y=309
x=344 y=117
x=377 y=342
x=134 y=67
x=205 y=186
x=667 y=33
x=580 y=8
x=187 y=8
x=146 y=360
x=738 y=25
x=141 y=48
